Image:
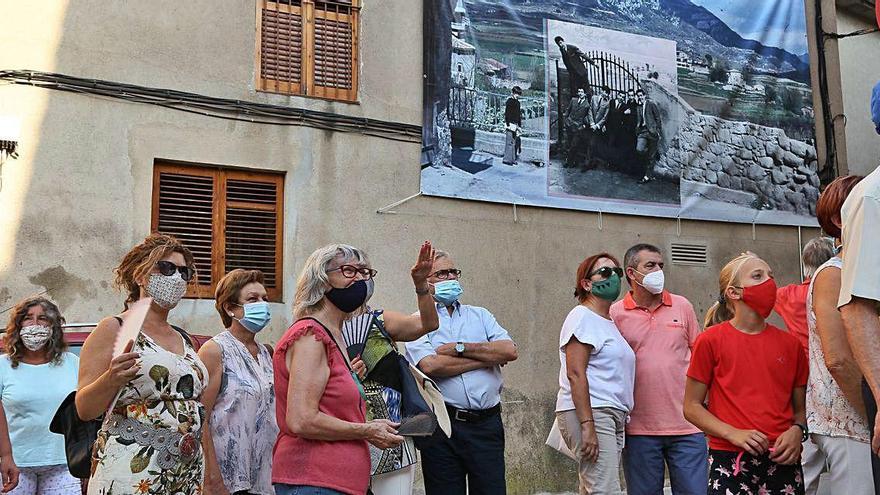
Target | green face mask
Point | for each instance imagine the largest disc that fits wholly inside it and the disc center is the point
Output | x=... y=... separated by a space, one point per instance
x=607 y=289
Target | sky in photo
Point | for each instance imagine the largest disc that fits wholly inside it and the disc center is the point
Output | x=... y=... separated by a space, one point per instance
x=779 y=23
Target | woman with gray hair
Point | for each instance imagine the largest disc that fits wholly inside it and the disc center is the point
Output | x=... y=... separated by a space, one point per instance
x=321 y=410
x=36 y=374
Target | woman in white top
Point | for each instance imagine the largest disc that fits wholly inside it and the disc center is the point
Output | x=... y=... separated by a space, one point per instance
x=240 y=397
x=836 y=419
x=595 y=377
x=36 y=374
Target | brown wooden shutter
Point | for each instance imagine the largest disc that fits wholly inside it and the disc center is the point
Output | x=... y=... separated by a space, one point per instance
x=183 y=206
x=334 y=56
x=280 y=50
x=253 y=215
x=228 y=218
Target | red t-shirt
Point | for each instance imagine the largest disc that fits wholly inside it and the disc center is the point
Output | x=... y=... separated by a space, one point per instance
x=750 y=378
x=342 y=465
x=791 y=304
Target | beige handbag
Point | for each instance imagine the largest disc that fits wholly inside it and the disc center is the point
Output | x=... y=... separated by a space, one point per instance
x=431 y=393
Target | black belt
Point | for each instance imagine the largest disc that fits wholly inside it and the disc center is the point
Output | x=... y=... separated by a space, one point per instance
x=472 y=415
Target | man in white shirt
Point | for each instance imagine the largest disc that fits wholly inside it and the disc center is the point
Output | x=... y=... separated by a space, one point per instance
x=859 y=301
x=464 y=357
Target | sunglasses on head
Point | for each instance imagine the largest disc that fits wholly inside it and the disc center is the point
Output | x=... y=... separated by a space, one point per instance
x=168 y=268
x=607 y=271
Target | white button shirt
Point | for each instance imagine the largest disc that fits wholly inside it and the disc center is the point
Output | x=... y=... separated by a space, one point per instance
x=476 y=389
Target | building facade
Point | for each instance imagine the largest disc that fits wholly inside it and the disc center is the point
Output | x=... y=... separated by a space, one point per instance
x=271 y=158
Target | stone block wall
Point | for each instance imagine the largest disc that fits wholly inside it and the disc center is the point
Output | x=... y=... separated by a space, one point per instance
x=779 y=171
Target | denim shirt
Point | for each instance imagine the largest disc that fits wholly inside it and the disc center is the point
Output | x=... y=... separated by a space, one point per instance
x=477 y=389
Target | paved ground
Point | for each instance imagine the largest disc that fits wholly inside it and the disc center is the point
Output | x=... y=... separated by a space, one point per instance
x=605 y=183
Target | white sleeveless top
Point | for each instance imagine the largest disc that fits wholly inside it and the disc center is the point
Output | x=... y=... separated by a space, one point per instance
x=828 y=411
x=243 y=420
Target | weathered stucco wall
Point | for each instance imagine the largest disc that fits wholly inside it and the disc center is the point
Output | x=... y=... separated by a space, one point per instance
x=79 y=194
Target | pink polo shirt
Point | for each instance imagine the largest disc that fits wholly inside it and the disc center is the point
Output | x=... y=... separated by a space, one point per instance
x=662 y=341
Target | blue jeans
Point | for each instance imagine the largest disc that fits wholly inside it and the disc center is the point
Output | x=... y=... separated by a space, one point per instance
x=686 y=456
x=282 y=489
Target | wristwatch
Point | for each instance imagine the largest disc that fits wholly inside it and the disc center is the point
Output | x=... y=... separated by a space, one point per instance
x=805 y=434
x=459 y=348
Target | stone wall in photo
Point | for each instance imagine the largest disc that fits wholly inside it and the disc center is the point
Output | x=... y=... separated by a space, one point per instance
x=778 y=171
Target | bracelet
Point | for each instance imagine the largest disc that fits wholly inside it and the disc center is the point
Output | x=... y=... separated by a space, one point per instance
x=587 y=421
x=422 y=292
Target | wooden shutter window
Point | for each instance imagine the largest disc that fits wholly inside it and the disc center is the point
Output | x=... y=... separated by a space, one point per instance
x=335 y=59
x=185 y=209
x=281 y=47
x=228 y=218
x=252 y=218
x=308 y=47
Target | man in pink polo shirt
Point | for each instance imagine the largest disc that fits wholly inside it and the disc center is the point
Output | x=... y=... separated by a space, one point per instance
x=661 y=328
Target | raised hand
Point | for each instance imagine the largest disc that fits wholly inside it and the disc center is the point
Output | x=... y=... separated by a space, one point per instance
x=422 y=269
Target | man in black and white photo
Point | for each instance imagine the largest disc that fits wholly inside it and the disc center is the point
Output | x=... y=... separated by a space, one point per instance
x=575 y=64
x=648 y=129
x=576 y=128
x=513 y=125
x=596 y=120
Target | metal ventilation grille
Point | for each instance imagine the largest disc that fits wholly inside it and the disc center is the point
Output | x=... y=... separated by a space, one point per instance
x=689 y=254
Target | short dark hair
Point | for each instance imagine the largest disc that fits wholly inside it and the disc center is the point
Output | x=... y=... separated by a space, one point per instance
x=640 y=90
x=630 y=259
x=558 y=39
x=516 y=90
x=606 y=89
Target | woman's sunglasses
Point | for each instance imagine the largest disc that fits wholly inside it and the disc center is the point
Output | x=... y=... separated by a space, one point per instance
x=606 y=271
x=168 y=268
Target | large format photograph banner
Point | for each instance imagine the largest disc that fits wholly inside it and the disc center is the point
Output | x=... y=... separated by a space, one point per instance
x=698 y=109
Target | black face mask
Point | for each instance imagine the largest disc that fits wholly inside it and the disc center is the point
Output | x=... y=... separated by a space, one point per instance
x=349 y=298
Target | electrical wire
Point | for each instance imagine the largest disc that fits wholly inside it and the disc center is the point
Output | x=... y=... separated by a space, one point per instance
x=222 y=108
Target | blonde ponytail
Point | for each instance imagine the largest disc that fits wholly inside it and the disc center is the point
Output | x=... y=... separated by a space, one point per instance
x=722 y=310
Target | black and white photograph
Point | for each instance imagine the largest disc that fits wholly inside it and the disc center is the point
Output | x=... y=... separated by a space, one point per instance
x=608 y=95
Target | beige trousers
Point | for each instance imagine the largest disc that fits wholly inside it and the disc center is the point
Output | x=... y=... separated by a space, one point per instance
x=603 y=476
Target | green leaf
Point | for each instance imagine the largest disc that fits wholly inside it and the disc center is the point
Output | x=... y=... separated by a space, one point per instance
x=139 y=463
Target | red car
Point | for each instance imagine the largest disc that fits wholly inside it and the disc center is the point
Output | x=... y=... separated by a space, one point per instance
x=75 y=335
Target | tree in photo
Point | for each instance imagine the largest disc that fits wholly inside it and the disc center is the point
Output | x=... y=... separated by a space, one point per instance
x=770 y=94
x=792 y=100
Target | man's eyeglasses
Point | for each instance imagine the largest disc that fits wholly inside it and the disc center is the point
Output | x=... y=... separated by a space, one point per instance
x=607 y=271
x=447 y=274
x=168 y=268
x=351 y=271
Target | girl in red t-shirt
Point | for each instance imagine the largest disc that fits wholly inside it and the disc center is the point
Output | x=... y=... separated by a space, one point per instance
x=755 y=378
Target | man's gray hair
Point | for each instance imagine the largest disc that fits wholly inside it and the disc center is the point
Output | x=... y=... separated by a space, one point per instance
x=631 y=258
x=440 y=254
x=817 y=251
x=313 y=281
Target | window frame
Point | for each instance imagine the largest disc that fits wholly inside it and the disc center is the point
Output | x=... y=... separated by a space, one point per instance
x=220 y=176
x=307 y=86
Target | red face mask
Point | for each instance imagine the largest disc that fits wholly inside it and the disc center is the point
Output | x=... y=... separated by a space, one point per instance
x=761 y=298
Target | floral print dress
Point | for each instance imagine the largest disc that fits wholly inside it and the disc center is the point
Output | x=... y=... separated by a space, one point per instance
x=150 y=444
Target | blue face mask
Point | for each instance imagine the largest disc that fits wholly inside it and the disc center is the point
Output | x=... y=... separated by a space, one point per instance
x=447 y=292
x=256 y=316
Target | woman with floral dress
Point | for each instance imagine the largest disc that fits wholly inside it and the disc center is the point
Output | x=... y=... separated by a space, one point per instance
x=150 y=440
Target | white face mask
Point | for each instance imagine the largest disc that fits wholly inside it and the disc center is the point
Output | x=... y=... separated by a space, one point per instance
x=166 y=290
x=653 y=282
x=34 y=337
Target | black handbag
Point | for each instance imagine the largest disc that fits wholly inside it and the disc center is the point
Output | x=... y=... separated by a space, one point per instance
x=412 y=404
x=79 y=436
